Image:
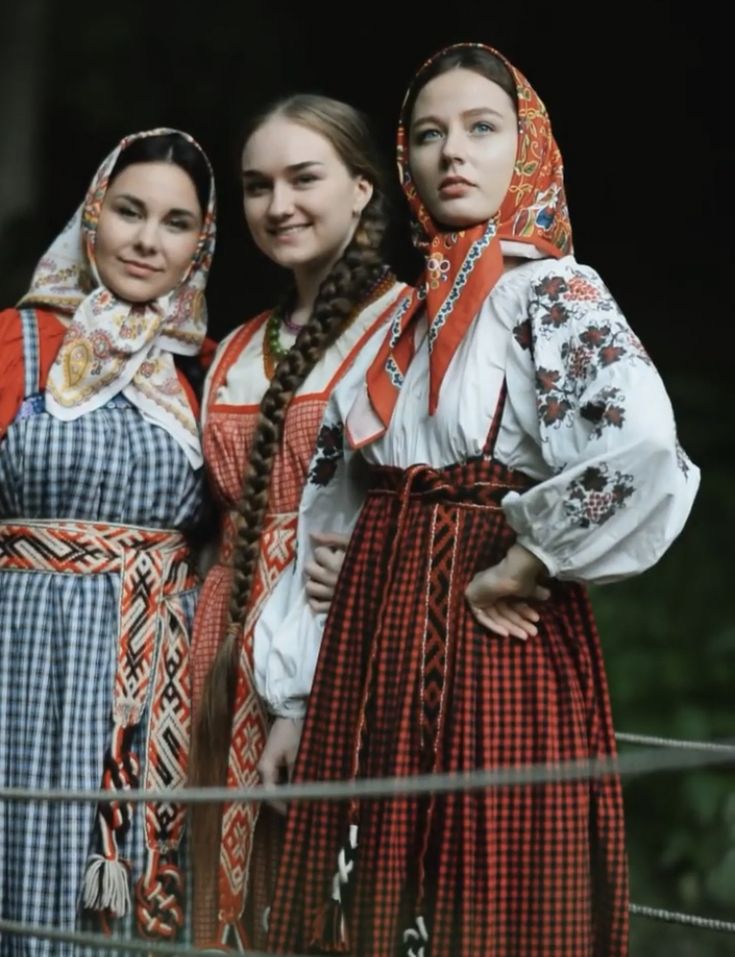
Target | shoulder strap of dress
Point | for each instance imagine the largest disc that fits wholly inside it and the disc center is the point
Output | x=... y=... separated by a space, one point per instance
x=492 y=435
x=31 y=353
x=229 y=355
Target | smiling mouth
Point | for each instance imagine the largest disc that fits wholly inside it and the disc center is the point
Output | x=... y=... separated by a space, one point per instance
x=279 y=231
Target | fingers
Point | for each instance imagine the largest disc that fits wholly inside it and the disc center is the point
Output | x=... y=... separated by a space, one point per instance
x=330 y=539
x=322 y=572
x=525 y=612
x=520 y=613
x=318 y=606
x=499 y=622
x=319 y=587
x=320 y=584
x=487 y=620
x=270 y=775
x=324 y=567
x=329 y=558
x=267 y=769
x=279 y=756
x=507 y=618
x=324 y=563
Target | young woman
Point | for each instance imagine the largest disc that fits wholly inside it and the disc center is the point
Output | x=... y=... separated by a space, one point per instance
x=313 y=204
x=521 y=443
x=100 y=479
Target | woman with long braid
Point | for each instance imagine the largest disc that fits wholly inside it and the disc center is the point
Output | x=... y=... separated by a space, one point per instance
x=313 y=205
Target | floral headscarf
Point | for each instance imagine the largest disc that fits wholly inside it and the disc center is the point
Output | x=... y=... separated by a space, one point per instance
x=463 y=266
x=112 y=346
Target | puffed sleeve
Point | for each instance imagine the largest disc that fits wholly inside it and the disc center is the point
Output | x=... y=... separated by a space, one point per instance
x=620 y=486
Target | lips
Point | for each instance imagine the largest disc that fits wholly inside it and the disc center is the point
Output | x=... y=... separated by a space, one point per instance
x=454 y=181
x=138 y=268
x=454 y=187
x=293 y=229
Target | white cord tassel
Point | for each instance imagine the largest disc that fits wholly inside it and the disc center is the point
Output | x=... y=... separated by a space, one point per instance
x=416 y=938
x=344 y=867
x=106 y=886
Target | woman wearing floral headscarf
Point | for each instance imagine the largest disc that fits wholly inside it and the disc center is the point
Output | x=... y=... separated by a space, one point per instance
x=100 y=478
x=521 y=444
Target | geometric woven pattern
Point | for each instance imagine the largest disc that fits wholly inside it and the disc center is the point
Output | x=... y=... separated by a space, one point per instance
x=153 y=646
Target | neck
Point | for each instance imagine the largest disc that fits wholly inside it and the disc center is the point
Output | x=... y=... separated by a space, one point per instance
x=307 y=288
x=309 y=277
x=308 y=280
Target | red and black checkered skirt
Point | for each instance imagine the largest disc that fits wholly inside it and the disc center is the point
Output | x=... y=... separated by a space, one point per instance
x=409 y=683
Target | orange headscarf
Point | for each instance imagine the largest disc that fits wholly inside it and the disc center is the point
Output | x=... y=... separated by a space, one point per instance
x=463 y=266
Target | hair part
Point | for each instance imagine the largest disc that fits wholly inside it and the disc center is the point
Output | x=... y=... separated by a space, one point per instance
x=345 y=127
x=476 y=59
x=169 y=148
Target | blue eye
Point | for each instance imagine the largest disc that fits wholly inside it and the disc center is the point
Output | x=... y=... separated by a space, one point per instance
x=482 y=127
x=427 y=135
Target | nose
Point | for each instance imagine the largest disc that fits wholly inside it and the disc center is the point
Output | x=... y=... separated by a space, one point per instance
x=147 y=237
x=454 y=146
x=281 y=204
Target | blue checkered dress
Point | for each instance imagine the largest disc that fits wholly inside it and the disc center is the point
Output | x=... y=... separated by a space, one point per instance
x=58 y=640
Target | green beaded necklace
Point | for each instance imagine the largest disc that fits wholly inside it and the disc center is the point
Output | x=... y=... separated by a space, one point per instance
x=273 y=335
x=273 y=351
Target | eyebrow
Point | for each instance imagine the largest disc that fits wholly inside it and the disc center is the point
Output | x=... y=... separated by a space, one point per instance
x=293 y=168
x=468 y=114
x=139 y=204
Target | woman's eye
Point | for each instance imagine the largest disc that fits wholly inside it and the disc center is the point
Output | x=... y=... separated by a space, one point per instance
x=255 y=188
x=427 y=135
x=128 y=212
x=179 y=225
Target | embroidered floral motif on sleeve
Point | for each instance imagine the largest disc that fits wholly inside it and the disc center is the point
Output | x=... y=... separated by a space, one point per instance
x=329 y=450
x=576 y=316
x=607 y=409
x=596 y=495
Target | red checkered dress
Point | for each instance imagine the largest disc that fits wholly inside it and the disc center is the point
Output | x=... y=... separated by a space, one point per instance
x=409 y=683
x=237 y=896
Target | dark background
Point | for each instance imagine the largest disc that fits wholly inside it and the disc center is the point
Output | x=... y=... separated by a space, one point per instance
x=641 y=101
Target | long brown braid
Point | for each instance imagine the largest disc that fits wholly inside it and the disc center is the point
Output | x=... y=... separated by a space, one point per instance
x=349 y=283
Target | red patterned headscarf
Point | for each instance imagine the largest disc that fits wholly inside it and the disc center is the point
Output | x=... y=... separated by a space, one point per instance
x=463 y=266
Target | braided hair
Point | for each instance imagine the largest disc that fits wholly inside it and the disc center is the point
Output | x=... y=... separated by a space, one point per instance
x=348 y=284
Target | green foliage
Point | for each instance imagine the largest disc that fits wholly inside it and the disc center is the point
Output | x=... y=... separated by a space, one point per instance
x=669 y=640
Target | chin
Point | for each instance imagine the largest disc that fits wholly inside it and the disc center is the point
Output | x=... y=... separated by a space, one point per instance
x=134 y=299
x=457 y=218
x=122 y=288
x=135 y=296
x=283 y=256
x=460 y=222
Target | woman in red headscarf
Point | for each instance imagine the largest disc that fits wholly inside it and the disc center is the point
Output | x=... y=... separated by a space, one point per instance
x=521 y=443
